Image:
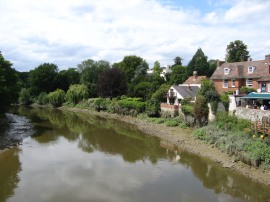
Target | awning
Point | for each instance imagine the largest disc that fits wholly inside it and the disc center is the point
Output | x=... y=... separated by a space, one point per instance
x=262 y=96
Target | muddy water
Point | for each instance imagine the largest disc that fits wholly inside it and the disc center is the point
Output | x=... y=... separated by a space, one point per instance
x=71 y=157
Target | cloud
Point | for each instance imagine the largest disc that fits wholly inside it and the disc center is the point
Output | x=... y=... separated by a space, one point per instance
x=68 y=32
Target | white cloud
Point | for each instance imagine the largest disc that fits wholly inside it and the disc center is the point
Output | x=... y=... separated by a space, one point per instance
x=68 y=32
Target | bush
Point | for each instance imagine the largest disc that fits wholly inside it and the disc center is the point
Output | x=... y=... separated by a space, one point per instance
x=172 y=123
x=128 y=106
x=42 y=98
x=201 y=110
x=226 y=101
x=25 y=96
x=76 y=93
x=56 y=98
x=187 y=109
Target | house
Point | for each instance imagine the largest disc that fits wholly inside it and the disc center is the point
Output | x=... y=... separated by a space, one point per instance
x=195 y=80
x=230 y=77
x=177 y=93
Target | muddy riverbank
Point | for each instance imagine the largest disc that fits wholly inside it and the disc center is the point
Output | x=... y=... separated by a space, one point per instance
x=183 y=139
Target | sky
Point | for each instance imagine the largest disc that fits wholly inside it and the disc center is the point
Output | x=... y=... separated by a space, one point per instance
x=67 y=32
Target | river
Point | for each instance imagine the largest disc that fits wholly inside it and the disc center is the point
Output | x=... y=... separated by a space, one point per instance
x=66 y=156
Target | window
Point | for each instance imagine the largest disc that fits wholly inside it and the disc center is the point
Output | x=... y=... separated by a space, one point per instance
x=233 y=82
x=263 y=89
x=268 y=87
x=226 y=71
x=249 y=83
x=225 y=83
x=251 y=69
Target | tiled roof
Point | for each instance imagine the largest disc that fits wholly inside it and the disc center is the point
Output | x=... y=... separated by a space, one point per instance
x=240 y=70
x=195 y=80
x=187 y=91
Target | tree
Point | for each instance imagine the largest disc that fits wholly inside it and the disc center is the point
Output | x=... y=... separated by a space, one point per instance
x=111 y=83
x=156 y=69
x=68 y=77
x=76 y=93
x=153 y=104
x=201 y=110
x=208 y=90
x=57 y=97
x=90 y=71
x=178 y=75
x=43 y=78
x=133 y=66
x=9 y=86
x=237 y=52
x=198 y=63
x=178 y=61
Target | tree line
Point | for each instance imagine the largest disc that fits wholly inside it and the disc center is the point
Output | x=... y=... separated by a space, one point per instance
x=92 y=79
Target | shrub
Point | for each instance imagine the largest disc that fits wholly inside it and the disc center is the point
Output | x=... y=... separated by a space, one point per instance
x=226 y=101
x=187 y=109
x=172 y=123
x=56 y=98
x=25 y=96
x=200 y=110
x=76 y=93
x=42 y=98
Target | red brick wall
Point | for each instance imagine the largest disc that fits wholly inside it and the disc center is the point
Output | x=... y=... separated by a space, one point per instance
x=238 y=84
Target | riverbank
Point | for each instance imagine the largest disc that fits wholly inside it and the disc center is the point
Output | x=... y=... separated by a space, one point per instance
x=183 y=139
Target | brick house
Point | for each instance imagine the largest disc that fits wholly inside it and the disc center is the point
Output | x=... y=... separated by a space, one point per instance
x=232 y=76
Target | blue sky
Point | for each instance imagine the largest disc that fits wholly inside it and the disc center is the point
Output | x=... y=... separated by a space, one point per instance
x=67 y=32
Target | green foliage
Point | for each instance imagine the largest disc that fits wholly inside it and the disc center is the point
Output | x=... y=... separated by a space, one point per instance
x=153 y=104
x=201 y=110
x=225 y=121
x=258 y=150
x=42 y=98
x=237 y=52
x=25 y=96
x=128 y=106
x=214 y=106
x=247 y=90
x=133 y=66
x=9 y=85
x=68 y=77
x=43 y=78
x=187 y=109
x=178 y=75
x=90 y=71
x=76 y=93
x=199 y=63
x=226 y=101
x=156 y=69
x=57 y=97
x=208 y=90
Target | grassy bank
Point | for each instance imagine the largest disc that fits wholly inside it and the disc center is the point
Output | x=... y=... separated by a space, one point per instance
x=235 y=137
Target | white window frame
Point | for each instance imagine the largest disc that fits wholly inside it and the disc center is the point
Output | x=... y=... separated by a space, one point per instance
x=226 y=71
x=249 y=82
x=225 y=83
x=233 y=82
x=268 y=87
x=251 y=69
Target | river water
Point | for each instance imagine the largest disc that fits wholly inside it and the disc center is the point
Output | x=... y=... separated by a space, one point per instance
x=76 y=157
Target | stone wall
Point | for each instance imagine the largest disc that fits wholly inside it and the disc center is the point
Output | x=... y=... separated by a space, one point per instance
x=172 y=110
x=251 y=114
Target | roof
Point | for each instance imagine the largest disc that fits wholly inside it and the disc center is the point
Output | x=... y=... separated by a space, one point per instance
x=263 y=96
x=187 y=91
x=238 y=70
x=195 y=80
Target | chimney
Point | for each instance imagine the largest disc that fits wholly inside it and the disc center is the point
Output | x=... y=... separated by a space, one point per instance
x=267 y=58
x=195 y=75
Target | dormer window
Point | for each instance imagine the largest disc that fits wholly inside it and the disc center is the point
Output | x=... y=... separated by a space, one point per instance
x=226 y=71
x=251 y=69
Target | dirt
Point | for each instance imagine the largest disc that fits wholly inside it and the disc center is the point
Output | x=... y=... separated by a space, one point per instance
x=183 y=139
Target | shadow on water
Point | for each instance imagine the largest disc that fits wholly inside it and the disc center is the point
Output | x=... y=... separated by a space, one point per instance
x=93 y=133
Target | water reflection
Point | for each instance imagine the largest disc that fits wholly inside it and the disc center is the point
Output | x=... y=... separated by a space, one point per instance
x=87 y=158
x=9 y=168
